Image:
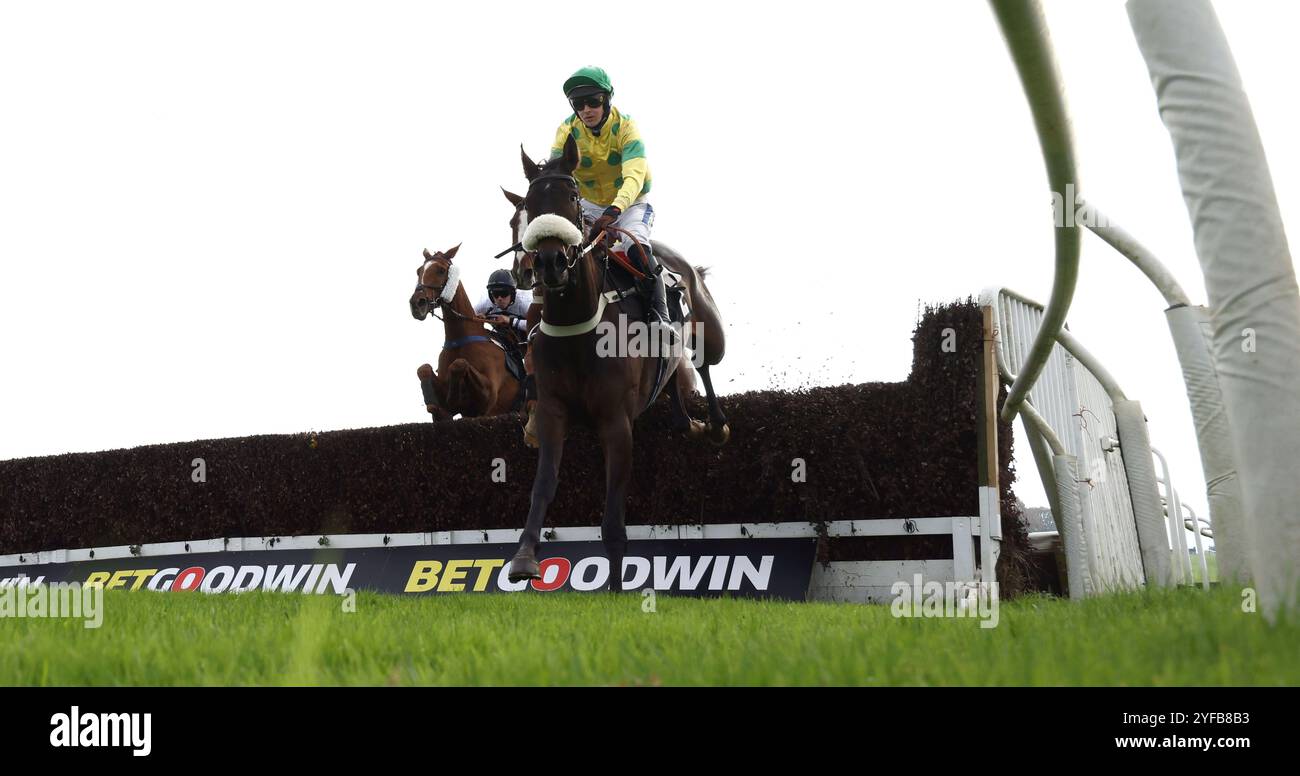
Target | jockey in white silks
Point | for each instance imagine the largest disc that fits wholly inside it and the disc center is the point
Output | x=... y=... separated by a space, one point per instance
x=505 y=306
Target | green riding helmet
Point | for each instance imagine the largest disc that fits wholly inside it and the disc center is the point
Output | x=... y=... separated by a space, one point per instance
x=588 y=80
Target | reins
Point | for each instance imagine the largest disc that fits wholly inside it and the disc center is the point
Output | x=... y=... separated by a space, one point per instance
x=622 y=262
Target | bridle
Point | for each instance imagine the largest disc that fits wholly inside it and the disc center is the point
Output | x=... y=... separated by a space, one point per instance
x=438 y=302
x=571 y=252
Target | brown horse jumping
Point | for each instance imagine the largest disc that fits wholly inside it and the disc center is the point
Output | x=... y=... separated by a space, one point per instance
x=703 y=310
x=577 y=381
x=472 y=378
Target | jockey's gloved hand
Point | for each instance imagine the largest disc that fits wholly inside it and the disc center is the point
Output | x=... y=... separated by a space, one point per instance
x=607 y=218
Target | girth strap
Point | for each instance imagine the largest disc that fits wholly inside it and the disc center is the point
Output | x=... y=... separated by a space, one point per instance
x=574 y=329
x=464 y=341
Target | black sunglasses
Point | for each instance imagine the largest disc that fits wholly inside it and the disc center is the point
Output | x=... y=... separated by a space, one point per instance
x=590 y=101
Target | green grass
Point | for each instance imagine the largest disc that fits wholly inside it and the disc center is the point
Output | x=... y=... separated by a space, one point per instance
x=1211 y=563
x=1161 y=637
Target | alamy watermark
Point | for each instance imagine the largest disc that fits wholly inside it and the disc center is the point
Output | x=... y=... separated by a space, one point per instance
x=919 y=598
x=25 y=598
x=95 y=729
x=1069 y=210
x=637 y=339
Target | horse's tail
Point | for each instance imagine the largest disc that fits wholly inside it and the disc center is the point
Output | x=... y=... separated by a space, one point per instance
x=702 y=272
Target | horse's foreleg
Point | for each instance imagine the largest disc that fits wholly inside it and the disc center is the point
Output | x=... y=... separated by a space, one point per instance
x=718 y=431
x=425 y=373
x=616 y=438
x=551 y=425
x=506 y=393
x=434 y=402
x=530 y=392
x=455 y=387
x=480 y=392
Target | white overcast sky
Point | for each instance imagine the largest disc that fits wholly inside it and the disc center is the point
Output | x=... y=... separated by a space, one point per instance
x=211 y=213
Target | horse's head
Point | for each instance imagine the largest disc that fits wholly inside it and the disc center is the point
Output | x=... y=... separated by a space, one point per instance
x=554 y=228
x=523 y=267
x=436 y=282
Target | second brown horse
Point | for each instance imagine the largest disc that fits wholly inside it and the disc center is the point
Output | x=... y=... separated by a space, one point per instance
x=472 y=378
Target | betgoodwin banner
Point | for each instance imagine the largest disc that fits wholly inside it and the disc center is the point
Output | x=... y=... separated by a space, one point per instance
x=760 y=568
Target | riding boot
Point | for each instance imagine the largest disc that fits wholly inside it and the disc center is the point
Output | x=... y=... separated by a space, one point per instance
x=656 y=295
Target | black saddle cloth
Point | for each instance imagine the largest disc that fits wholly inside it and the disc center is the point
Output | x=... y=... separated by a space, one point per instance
x=513 y=354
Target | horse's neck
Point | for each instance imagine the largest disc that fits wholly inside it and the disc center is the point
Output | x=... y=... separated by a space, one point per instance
x=455 y=326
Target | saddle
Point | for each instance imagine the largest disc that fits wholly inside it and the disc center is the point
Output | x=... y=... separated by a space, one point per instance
x=513 y=355
x=674 y=286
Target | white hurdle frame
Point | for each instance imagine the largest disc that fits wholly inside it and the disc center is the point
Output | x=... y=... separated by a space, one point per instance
x=868 y=581
x=859 y=581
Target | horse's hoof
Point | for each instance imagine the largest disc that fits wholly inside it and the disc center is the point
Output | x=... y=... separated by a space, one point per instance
x=524 y=567
x=695 y=430
x=718 y=435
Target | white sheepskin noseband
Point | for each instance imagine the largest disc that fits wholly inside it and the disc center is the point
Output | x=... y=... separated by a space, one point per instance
x=453 y=280
x=551 y=225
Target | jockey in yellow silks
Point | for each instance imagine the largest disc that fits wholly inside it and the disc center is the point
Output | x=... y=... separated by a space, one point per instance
x=613 y=175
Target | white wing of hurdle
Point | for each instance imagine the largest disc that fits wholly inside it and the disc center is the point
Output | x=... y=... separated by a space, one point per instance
x=1090 y=445
x=1246 y=411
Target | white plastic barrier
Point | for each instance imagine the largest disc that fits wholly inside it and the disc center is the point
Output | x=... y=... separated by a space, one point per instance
x=1094 y=503
x=1249 y=276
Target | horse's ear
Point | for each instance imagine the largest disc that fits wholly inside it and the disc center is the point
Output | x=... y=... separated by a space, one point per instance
x=427 y=257
x=451 y=253
x=515 y=199
x=570 y=155
x=530 y=167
